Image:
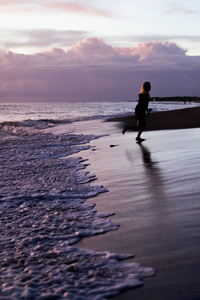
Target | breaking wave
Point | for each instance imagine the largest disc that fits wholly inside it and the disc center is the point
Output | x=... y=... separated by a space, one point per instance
x=43 y=214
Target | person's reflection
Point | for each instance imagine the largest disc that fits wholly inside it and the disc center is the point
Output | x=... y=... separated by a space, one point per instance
x=147 y=157
x=153 y=172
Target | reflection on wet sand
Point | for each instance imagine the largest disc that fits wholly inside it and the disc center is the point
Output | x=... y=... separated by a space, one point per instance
x=146 y=154
x=154 y=174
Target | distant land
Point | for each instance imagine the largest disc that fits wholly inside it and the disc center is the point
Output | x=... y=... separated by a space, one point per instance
x=183 y=99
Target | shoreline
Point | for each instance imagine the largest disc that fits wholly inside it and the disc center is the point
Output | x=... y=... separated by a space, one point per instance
x=154 y=195
x=164 y=120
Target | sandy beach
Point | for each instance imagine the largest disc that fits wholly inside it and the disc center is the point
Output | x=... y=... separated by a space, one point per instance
x=154 y=192
x=176 y=119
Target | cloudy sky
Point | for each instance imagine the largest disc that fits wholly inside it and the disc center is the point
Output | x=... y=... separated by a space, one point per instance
x=98 y=50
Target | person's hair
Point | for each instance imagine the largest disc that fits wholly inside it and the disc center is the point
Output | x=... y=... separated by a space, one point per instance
x=146 y=87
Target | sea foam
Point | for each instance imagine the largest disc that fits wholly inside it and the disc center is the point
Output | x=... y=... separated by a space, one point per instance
x=44 y=213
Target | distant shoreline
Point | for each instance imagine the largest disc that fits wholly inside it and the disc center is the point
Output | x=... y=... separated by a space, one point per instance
x=177 y=98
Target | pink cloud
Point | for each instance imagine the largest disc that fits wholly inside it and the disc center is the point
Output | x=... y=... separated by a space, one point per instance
x=93 y=70
x=150 y=49
x=90 y=50
x=78 y=8
x=36 y=5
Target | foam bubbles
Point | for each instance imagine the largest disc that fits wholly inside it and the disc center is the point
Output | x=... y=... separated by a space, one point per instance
x=43 y=214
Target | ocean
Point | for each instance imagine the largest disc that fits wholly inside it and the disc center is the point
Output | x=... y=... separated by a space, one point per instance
x=78 y=111
x=43 y=207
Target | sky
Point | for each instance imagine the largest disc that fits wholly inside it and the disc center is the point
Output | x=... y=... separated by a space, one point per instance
x=98 y=50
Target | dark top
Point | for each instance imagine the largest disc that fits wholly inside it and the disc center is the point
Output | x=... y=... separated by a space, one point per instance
x=142 y=106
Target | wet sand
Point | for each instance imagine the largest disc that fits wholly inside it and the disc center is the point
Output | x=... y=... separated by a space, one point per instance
x=154 y=190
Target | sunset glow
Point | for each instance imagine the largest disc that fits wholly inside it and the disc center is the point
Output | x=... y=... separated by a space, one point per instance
x=107 y=49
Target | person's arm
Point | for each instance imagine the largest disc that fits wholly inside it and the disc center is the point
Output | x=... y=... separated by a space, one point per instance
x=148 y=109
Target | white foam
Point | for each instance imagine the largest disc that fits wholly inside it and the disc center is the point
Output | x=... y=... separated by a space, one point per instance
x=43 y=212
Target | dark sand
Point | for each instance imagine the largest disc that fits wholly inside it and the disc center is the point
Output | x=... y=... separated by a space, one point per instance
x=154 y=190
x=176 y=119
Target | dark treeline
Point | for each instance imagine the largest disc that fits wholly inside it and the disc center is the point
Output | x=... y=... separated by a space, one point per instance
x=177 y=98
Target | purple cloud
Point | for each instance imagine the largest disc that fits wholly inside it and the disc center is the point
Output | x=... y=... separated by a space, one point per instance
x=177 y=8
x=43 y=38
x=92 y=70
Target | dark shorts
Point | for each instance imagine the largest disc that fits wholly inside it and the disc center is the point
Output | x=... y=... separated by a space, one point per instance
x=141 y=124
